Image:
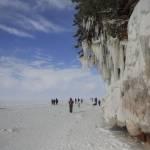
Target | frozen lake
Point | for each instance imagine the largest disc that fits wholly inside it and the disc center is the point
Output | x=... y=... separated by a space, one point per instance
x=54 y=128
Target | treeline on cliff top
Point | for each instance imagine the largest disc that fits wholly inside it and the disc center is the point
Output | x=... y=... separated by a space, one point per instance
x=113 y=12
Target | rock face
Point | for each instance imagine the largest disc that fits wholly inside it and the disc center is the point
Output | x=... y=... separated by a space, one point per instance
x=136 y=79
x=125 y=66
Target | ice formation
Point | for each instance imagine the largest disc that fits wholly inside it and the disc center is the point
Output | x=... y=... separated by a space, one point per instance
x=125 y=66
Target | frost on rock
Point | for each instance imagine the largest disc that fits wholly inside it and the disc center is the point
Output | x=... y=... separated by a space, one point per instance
x=125 y=66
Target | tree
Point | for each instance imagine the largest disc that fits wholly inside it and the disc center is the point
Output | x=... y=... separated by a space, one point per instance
x=95 y=12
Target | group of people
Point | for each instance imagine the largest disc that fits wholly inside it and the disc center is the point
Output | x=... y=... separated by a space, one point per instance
x=77 y=101
x=96 y=101
x=71 y=102
x=54 y=101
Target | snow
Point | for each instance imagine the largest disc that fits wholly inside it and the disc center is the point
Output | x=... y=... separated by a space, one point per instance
x=54 y=128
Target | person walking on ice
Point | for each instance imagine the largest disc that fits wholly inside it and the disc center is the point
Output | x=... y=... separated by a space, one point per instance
x=79 y=104
x=99 y=102
x=71 y=102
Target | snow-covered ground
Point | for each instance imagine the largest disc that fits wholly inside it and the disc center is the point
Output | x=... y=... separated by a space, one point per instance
x=53 y=128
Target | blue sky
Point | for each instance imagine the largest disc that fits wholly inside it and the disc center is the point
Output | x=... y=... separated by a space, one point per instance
x=37 y=55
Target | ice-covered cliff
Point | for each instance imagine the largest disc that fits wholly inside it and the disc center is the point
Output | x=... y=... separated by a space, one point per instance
x=125 y=65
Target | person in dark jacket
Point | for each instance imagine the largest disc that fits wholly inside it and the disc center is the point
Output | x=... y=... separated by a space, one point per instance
x=56 y=101
x=78 y=100
x=75 y=100
x=99 y=102
x=95 y=100
x=71 y=102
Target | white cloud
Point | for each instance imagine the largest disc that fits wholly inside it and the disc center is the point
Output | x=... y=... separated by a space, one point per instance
x=15 y=31
x=15 y=4
x=19 y=17
x=38 y=23
x=36 y=4
x=21 y=80
x=59 y=4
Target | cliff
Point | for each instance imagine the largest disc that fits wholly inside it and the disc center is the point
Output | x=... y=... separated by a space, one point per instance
x=124 y=63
